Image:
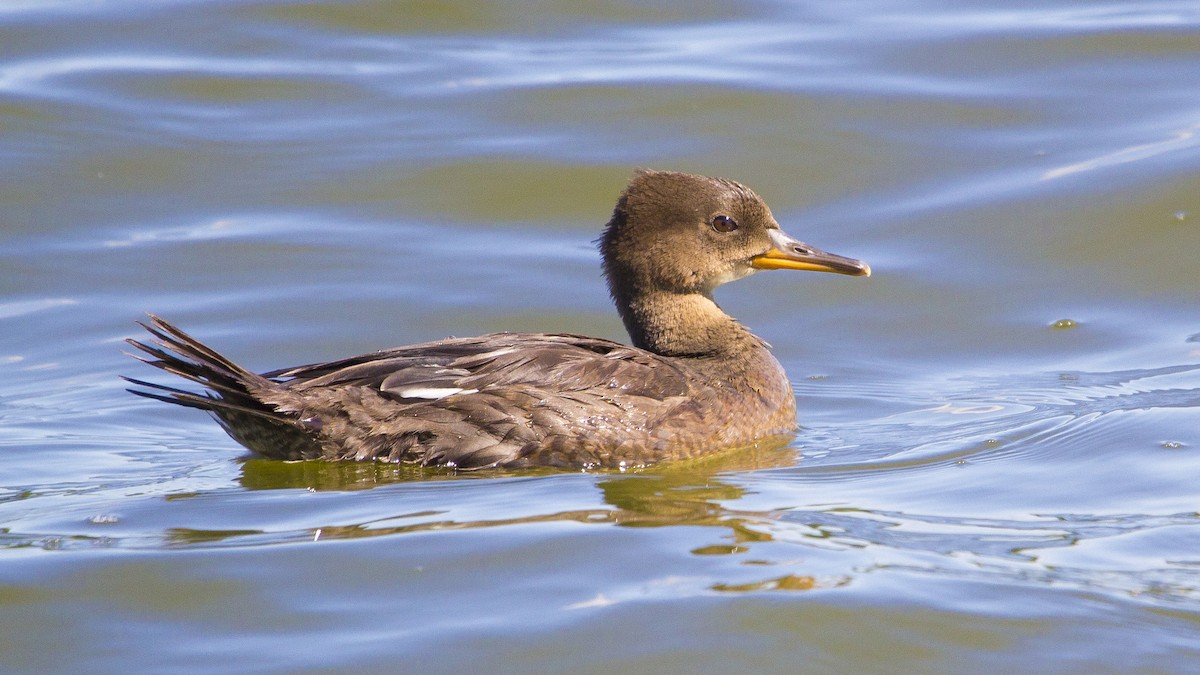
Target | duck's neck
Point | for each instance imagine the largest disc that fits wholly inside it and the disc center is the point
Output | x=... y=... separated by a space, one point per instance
x=683 y=324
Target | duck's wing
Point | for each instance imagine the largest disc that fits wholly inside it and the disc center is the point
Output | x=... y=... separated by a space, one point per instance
x=558 y=363
x=509 y=399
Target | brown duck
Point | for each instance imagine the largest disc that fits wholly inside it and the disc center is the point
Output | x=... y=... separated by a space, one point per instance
x=694 y=381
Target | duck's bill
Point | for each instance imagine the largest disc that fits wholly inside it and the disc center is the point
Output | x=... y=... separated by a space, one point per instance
x=787 y=253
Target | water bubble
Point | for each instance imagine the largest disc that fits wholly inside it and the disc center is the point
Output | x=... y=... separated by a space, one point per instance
x=1064 y=324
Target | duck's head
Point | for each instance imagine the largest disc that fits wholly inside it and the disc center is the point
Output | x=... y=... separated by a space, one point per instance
x=679 y=233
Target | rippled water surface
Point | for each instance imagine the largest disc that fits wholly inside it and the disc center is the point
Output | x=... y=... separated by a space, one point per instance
x=999 y=465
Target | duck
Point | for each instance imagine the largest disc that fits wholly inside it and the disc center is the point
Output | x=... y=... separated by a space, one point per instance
x=693 y=381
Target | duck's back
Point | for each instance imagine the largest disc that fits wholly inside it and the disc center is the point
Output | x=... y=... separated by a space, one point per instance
x=506 y=399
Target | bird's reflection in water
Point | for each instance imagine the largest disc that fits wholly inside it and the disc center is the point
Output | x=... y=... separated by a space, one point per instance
x=688 y=492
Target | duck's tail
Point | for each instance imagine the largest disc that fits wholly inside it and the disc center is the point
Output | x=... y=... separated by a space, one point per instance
x=249 y=406
x=231 y=388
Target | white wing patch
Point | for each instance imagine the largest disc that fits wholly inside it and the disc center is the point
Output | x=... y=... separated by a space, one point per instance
x=432 y=393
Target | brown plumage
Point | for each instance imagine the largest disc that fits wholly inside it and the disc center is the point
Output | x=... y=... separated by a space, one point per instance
x=695 y=381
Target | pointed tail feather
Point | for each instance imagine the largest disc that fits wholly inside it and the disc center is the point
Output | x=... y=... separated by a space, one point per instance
x=190 y=399
x=246 y=405
x=176 y=352
x=173 y=343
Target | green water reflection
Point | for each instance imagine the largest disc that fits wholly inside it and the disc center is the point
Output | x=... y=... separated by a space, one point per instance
x=682 y=493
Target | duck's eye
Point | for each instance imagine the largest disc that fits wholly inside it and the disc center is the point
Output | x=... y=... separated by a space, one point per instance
x=724 y=224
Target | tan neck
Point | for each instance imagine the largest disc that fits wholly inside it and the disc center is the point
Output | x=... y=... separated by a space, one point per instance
x=690 y=324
